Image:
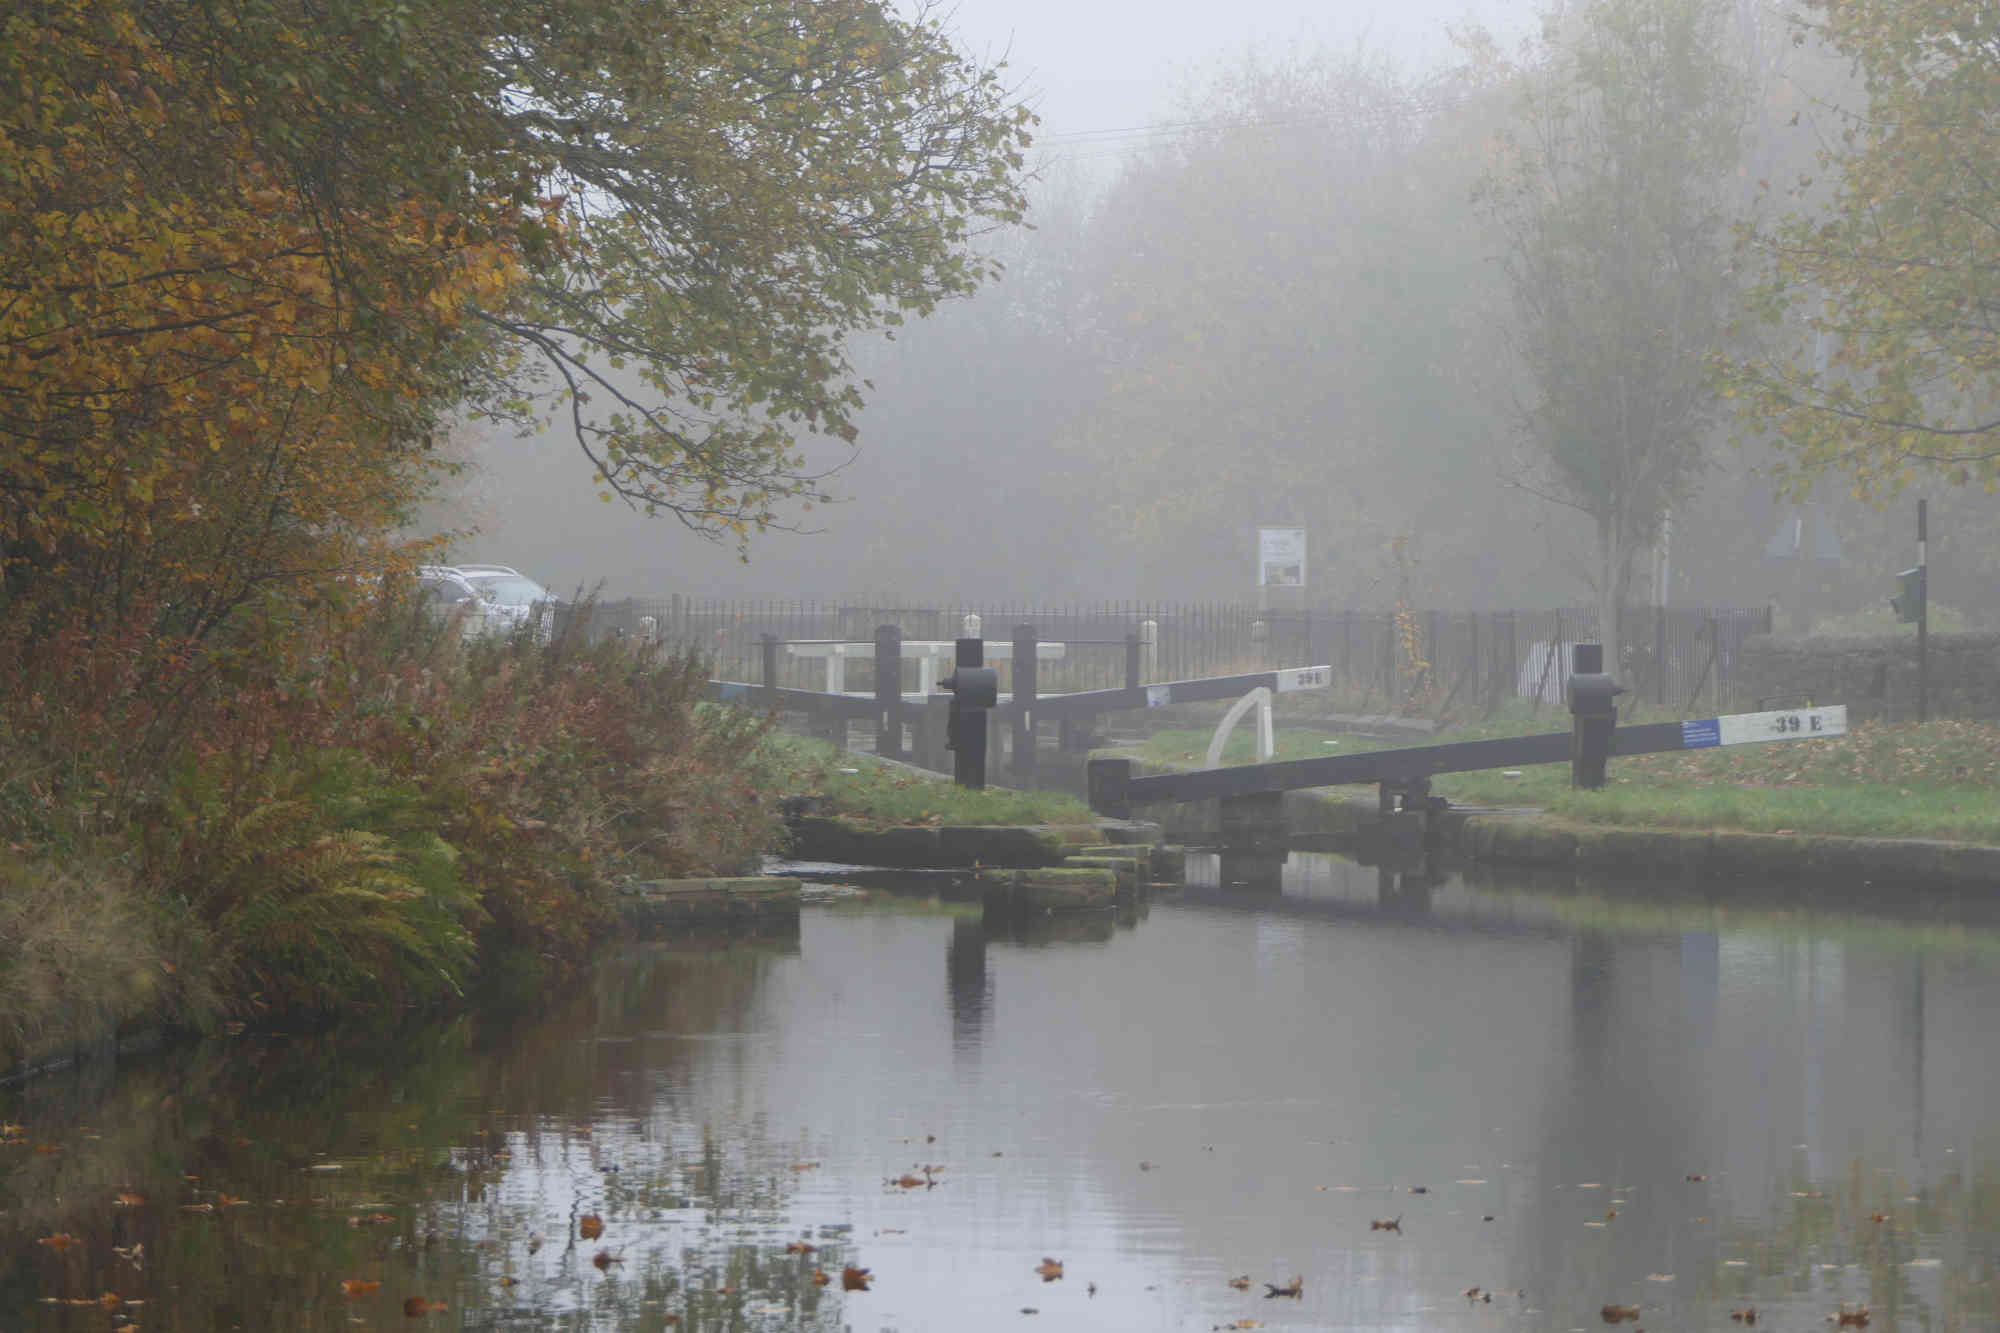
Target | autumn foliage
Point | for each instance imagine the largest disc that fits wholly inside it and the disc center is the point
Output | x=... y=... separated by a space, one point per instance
x=254 y=261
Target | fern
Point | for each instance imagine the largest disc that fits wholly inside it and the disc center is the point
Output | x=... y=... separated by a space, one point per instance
x=326 y=886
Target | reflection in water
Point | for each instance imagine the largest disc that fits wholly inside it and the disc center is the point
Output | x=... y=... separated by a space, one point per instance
x=971 y=990
x=1567 y=1098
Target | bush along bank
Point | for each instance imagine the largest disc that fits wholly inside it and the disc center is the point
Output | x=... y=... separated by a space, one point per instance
x=338 y=812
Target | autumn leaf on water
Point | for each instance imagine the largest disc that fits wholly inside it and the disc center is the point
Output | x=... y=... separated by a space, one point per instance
x=59 y=1242
x=805 y=1166
x=1618 y=1314
x=590 y=1226
x=855 y=1279
x=1394 y=1224
x=820 y=1279
x=1050 y=1269
x=605 y=1258
x=359 y=1286
x=1295 y=1288
x=1747 y=1315
x=910 y=1182
x=1240 y=1283
x=129 y=1199
x=416 y=1306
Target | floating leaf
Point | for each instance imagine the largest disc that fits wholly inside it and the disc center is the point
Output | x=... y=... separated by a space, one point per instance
x=605 y=1258
x=359 y=1286
x=1295 y=1288
x=417 y=1306
x=1618 y=1314
x=1049 y=1269
x=855 y=1279
x=129 y=1199
x=590 y=1226
x=59 y=1242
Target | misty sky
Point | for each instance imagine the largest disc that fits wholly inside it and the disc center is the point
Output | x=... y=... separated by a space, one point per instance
x=1092 y=68
x=1103 y=65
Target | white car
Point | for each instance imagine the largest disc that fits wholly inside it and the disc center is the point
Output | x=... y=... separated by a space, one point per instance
x=493 y=599
x=510 y=596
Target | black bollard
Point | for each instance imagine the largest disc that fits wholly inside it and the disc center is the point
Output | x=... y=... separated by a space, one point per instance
x=1026 y=666
x=1107 y=779
x=889 y=691
x=1593 y=715
x=965 y=721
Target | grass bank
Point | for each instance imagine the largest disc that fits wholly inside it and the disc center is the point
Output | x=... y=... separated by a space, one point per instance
x=1913 y=780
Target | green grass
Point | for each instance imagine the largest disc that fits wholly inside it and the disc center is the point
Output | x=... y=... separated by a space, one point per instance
x=865 y=788
x=1928 y=780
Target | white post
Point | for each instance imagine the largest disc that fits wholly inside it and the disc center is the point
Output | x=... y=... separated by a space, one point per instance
x=971 y=625
x=1149 y=650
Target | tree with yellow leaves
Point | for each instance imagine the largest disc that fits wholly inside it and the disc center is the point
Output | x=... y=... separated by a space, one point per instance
x=253 y=257
x=1886 y=356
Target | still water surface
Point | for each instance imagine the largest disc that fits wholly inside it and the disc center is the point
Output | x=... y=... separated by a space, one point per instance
x=1566 y=1100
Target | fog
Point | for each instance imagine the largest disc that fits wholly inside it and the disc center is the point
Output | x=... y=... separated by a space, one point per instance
x=1256 y=291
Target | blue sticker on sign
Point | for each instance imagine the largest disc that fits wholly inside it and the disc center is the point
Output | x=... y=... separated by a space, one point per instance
x=1701 y=734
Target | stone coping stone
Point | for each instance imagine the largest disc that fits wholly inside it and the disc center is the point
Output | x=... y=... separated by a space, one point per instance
x=715 y=898
x=1052 y=888
x=1129 y=851
x=937 y=847
x=1126 y=868
x=1915 y=863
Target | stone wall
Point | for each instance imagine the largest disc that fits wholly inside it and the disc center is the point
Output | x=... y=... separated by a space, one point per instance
x=1875 y=675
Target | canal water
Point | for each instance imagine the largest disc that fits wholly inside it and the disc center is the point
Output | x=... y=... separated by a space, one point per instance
x=1406 y=1093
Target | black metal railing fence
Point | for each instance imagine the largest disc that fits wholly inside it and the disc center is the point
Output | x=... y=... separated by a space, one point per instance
x=1463 y=662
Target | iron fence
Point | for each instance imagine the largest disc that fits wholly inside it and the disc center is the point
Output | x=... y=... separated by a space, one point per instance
x=1679 y=658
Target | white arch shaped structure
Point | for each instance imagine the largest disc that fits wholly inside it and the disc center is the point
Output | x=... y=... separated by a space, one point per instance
x=1259 y=699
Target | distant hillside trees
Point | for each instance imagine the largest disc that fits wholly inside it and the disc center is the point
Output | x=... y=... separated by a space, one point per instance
x=1611 y=201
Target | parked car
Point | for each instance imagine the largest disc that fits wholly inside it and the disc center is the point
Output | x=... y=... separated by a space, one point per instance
x=490 y=599
x=510 y=596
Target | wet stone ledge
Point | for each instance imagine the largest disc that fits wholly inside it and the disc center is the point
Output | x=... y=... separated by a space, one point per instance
x=753 y=901
x=1042 y=890
x=949 y=846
